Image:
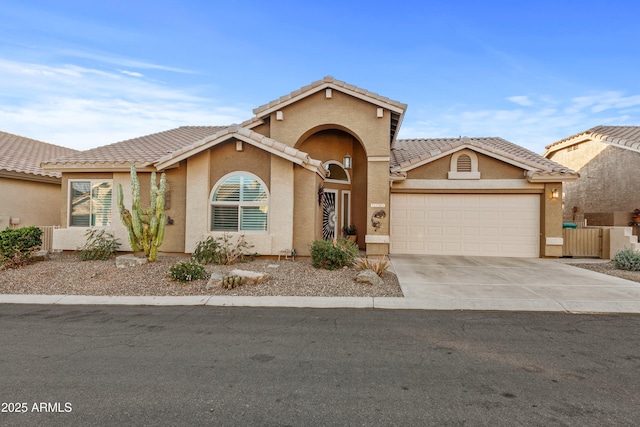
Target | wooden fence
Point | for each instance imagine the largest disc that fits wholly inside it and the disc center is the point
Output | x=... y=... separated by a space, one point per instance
x=582 y=242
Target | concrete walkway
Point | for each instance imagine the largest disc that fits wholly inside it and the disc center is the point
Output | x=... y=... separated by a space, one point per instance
x=435 y=283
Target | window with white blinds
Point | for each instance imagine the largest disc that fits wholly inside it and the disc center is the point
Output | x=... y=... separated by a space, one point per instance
x=90 y=203
x=239 y=203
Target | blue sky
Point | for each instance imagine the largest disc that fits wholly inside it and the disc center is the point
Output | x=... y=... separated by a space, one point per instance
x=83 y=74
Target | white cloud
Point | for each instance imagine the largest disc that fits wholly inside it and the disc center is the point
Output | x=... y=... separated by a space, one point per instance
x=82 y=107
x=545 y=121
x=132 y=73
x=520 y=100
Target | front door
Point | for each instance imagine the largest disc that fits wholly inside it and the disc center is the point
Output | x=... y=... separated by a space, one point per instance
x=329 y=216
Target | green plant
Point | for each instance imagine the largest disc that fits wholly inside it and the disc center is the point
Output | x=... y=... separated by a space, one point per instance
x=17 y=245
x=100 y=245
x=231 y=281
x=223 y=250
x=186 y=271
x=349 y=230
x=627 y=259
x=208 y=251
x=379 y=266
x=145 y=226
x=333 y=254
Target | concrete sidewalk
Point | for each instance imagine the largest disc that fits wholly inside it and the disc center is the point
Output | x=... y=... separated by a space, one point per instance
x=434 y=283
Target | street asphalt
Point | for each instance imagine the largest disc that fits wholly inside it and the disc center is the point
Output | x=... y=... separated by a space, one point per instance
x=434 y=283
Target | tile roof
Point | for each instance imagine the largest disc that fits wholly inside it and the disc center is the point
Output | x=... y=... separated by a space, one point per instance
x=24 y=155
x=328 y=80
x=267 y=143
x=143 y=150
x=623 y=136
x=408 y=152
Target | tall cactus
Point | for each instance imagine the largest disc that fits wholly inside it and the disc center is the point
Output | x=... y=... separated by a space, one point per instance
x=145 y=226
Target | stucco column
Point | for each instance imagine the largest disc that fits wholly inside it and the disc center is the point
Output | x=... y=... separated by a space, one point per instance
x=377 y=238
x=551 y=217
x=281 y=204
x=198 y=189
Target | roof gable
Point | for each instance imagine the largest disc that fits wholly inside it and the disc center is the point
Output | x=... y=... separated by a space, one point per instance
x=397 y=108
x=23 y=155
x=236 y=132
x=411 y=153
x=627 y=137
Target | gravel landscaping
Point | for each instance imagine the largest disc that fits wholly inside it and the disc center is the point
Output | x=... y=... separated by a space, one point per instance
x=610 y=269
x=64 y=274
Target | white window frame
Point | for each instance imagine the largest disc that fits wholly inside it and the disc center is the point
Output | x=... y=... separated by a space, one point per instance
x=239 y=204
x=453 y=167
x=337 y=181
x=91 y=183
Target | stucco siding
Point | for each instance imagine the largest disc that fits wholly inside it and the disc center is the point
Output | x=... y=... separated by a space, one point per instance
x=340 y=111
x=608 y=180
x=33 y=203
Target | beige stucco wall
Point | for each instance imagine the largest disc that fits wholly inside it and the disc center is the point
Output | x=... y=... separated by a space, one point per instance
x=70 y=238
x=488 y=167
x=33 y=203
x=358 y=117
x=304 y=119
x=307 y=213
x=277 y=174
x=608 y=180
x=551 y=222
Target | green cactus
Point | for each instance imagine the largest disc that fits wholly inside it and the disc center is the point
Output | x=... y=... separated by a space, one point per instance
x=145 y=226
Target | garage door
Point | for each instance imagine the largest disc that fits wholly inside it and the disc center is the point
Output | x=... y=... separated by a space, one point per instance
x=466 y=224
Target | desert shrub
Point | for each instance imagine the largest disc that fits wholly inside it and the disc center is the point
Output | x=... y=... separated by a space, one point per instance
x=100 y=245
x=333 y=254
x=627 y=259
x=379 y=265
x=17 y=245
x=223 y=250
x=208 y=252
x=186 y=271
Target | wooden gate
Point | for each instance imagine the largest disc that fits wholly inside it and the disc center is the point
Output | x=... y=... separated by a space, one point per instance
x=582 y=242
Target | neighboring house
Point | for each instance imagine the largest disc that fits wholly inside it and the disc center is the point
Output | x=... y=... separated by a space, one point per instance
x=313 y=161
x=607 y=159
x=29 y=195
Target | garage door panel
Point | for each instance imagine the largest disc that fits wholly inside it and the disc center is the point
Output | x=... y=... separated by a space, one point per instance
x=465 y=224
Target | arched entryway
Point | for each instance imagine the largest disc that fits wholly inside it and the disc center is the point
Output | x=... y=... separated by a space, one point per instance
x=345 y=189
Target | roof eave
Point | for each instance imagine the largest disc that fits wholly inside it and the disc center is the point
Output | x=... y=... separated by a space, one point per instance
x=273 y=106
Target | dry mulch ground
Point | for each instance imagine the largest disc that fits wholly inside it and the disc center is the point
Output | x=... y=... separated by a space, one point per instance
x=65 y=274
x=610 y=269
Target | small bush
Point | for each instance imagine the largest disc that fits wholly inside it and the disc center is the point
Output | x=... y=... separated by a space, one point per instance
x=627 y=259
x=208 y=252
x=17 y=245
x=223 y=250
x=379 y=266
x=100 y=245
x=333 y=254
x=186 y=271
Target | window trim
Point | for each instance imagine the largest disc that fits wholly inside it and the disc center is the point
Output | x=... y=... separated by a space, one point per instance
x=91 y=181
x=453 y=167
x=239 y=204
x=337 y=181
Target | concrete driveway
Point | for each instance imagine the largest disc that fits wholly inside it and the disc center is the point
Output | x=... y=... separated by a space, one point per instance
x=519 y=284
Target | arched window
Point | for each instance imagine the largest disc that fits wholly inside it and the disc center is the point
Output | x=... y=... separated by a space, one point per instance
x=337 y=173
x=239 y=202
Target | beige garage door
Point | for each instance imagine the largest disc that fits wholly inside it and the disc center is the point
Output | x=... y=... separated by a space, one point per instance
x=466 y=224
